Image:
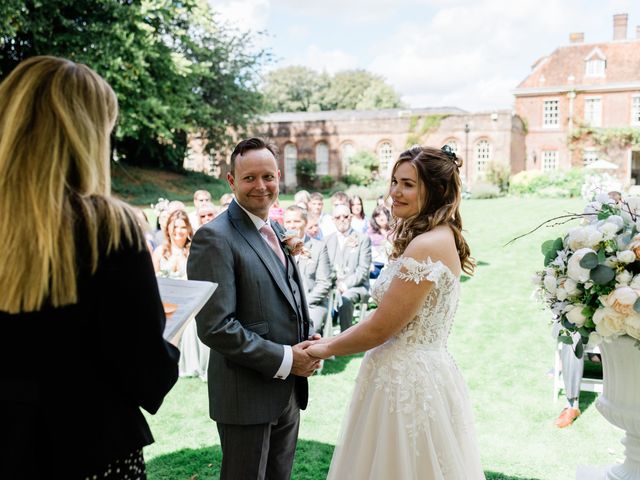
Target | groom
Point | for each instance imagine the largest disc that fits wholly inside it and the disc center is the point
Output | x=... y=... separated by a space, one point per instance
x=256 y=323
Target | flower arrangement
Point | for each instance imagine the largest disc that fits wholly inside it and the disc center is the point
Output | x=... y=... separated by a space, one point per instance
x=591 y=279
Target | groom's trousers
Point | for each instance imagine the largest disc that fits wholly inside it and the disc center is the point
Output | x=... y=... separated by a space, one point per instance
x=263 y=451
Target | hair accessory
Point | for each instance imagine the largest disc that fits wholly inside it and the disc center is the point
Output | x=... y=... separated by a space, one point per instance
x=448 y=151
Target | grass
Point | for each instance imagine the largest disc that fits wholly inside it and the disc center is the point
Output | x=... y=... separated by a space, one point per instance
x=503 y=346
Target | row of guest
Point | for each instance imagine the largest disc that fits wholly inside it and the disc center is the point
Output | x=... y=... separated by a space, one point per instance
x=342 y=259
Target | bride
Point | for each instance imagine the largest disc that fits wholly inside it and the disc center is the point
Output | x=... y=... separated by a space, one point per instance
x=410 y=416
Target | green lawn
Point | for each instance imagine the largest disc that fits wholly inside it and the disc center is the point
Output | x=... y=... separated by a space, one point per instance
x=502 y=343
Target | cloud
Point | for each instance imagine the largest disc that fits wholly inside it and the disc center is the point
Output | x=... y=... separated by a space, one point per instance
x=244 y=14
x=473 y=54
x=329 y=61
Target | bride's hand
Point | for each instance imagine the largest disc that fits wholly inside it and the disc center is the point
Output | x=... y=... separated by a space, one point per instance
x=319 y=350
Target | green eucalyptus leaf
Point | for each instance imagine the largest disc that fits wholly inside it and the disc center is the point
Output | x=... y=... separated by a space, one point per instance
x=636 y=305
x=589 y=261
x=601 y=275
x=579 y=349
x=546 y=247
x=566 y=339
x=558 y=244
x=601 y=256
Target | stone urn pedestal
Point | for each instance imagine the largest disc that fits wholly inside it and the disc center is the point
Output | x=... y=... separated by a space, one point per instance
x=620 y=402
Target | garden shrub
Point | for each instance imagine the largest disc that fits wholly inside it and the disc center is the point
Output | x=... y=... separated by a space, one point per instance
x=557 y=183
x=481 y=190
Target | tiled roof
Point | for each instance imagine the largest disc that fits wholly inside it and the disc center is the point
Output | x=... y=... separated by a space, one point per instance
x=357 y=114
x=622 y=57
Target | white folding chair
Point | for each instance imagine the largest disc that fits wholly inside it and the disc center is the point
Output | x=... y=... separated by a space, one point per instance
x=587 y=384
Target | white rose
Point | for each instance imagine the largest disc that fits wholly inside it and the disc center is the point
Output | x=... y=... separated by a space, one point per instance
x=616 y=220
x=608 y=322
x=576 y=316
x=594 y=339
x=623 y=278
x=561 y=293
x=626 y=256
x=571 y=287
x=635 y=283
x=633 y=204
x=574 y=270
x=604 y=198
x=632 y=326
x=609 y=230
x=550 y=283
x=592 y=207
x=622 y=300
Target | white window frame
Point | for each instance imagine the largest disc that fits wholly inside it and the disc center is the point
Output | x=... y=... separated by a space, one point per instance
x=290 y=161
x=385 y=156
x=593 y=116
x=595 y=67
x=482 y=154
x=550 y=160
x=589 y=155
x=322 y=158
x=635 y=109
x=347 y=151
x=550 y=119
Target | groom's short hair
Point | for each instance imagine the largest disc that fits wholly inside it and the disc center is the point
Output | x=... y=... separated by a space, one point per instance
x=249 y=144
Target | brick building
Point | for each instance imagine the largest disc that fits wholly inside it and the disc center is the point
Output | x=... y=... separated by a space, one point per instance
x=579 y=92
x=331 y=138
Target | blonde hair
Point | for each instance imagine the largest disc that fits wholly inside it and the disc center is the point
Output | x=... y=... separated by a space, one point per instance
x=56 y=117
x=440 y=188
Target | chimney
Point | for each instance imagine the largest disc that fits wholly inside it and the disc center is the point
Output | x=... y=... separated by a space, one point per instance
x=576 y=37
x=620 y=26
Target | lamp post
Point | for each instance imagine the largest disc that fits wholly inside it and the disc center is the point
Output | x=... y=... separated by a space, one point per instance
x=466 y=152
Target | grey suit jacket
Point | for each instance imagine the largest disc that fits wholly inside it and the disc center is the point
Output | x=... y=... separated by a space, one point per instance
x=353 y=263
x=316 y=272
x=251 y=315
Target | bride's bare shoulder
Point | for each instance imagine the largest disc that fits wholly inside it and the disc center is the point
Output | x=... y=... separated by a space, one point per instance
x=436 y=244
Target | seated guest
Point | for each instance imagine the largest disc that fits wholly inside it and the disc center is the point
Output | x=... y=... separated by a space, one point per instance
x=313 y=265
x=359 y=221
x=276 y=212
x=225 y=200
x=204 y=214
x=316 y=210
x=200 y=197
x=378 y=232
x=302 y=198
x=313 y=227
x=350 y=257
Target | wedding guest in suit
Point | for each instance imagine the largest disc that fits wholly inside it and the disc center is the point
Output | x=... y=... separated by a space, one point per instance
x=77 y=281
x=225 y=201
x=359 y=221
x=316 y=211
x=204 y=214
x=313 y=264
x=313 y=227
x=256 y=323
x=350 y=257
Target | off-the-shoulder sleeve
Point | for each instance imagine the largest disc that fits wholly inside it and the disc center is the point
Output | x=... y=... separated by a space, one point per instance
x=411 y=270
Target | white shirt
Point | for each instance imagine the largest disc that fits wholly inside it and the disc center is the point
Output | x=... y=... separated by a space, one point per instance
x=287 y=361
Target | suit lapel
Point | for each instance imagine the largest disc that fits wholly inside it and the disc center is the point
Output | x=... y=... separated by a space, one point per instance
x=245 y=227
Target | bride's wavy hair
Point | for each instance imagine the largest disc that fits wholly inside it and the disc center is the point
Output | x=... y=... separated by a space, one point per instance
x=439 y=188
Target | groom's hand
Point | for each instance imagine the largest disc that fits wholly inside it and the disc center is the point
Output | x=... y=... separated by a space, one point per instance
x=303 y=364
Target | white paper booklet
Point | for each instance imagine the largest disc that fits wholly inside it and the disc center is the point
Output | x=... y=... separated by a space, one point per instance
x=182 y=299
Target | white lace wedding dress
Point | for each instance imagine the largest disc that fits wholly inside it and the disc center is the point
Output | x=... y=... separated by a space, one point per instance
x=410 y=416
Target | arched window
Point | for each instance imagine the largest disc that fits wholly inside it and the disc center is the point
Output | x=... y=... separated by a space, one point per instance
x=322 y=158
x=290 y=160
x=347 y=150
x=453 y=144
x=385 y=155
x=482 y=156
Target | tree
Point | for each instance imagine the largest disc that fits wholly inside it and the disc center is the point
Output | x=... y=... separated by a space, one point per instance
x=173 y=66
x=294 y=89
x=299 y=89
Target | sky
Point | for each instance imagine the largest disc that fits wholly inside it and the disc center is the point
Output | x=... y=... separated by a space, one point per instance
x=469 y=54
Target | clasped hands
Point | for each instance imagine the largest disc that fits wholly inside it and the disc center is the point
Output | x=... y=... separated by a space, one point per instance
x=308 y=356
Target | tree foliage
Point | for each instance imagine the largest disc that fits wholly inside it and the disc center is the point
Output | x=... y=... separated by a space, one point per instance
x=361 y=167
x=302 y=89
x=174 y=67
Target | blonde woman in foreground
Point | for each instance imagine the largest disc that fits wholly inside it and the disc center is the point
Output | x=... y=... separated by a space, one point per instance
x=410 y=416
x=80 y=310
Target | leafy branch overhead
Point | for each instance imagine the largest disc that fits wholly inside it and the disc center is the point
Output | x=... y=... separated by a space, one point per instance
x=175 y=68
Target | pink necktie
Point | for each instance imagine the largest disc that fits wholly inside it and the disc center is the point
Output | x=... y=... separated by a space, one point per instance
x=270 y=236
